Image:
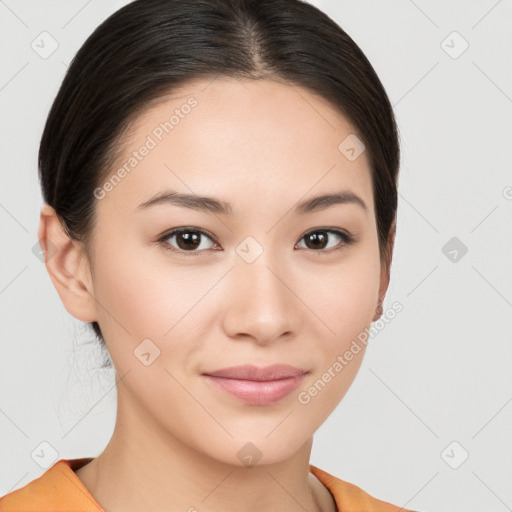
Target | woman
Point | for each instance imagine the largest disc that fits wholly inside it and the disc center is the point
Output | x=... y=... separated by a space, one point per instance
x=220 y=180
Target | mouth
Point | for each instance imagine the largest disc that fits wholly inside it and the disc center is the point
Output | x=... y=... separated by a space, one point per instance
x=257 y=386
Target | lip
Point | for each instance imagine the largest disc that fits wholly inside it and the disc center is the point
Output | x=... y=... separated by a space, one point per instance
x=257 y=386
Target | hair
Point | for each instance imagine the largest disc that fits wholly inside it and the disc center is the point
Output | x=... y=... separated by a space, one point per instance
x=148 y=48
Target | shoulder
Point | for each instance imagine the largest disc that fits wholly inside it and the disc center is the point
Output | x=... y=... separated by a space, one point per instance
x=350 y=497
x=58 y=489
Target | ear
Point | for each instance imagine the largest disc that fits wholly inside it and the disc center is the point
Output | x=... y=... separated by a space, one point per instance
x=67 y=266
x=385 y=271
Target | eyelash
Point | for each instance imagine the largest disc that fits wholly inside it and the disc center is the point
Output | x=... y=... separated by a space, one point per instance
x=346 y=238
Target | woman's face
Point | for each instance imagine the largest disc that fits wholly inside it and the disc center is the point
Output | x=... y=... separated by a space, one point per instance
x=254 y=289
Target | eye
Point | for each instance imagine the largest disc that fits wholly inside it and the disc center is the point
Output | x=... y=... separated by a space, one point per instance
x=187 y=240
x=190 y=241
x=318 y=239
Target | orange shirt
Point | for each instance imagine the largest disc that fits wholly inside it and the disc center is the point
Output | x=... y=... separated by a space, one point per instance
x=59 y=489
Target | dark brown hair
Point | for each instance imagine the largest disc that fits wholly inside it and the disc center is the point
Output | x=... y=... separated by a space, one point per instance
x=149 y=47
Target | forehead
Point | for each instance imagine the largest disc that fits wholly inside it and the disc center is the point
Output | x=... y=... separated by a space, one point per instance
x=238 y=136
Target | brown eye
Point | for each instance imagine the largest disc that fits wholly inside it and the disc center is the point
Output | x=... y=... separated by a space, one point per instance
x=319 y=239
x=186 y=240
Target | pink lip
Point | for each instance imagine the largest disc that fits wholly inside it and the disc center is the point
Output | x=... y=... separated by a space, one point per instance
x=258 y=386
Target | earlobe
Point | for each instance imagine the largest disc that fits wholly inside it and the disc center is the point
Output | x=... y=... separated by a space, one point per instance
x=67 y=266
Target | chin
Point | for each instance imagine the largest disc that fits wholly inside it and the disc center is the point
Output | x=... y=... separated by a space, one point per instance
x=248 y=450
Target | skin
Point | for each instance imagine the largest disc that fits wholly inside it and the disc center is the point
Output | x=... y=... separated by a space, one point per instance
x=261 y=146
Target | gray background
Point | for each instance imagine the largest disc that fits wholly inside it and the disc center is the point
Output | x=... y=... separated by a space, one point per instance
x=439 y=372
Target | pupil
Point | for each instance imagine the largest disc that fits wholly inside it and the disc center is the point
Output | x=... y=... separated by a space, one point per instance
x=318 y=237
x=191 y=240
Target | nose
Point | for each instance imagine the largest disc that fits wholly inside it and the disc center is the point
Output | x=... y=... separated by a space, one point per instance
x=261 y=303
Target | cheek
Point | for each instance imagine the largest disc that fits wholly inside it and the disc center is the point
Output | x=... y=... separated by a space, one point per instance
x=343 y=296
x=345 y=301
x=138 y=299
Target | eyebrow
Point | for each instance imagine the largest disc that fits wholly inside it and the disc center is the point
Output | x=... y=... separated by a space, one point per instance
x=212 y=205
